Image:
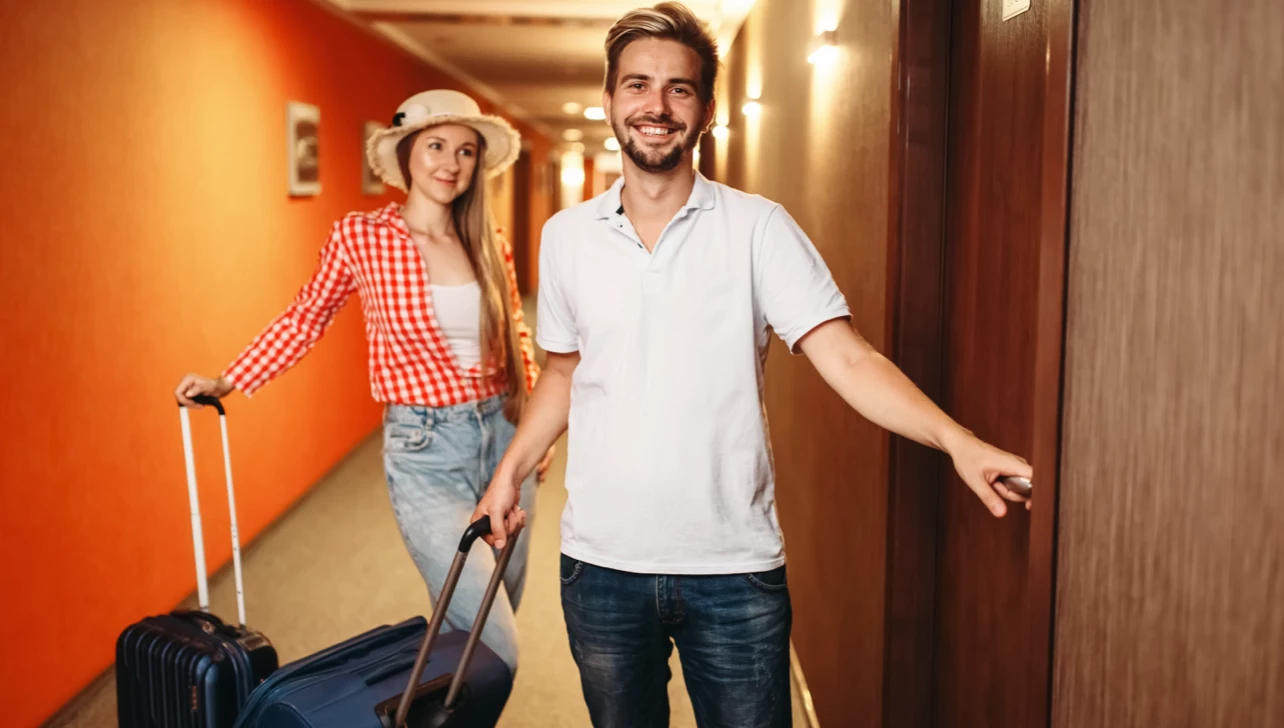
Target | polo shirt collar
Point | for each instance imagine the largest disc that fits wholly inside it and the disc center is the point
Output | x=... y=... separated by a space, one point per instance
x=702 y=198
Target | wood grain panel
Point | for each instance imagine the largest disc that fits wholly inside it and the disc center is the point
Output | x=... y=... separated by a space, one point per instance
x=1171 y=544
x=916 y=274
x=523 y=189
x=1006 y=255
x=821 y=148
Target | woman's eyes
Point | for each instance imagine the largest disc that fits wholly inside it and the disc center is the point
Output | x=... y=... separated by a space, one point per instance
x=437 y=147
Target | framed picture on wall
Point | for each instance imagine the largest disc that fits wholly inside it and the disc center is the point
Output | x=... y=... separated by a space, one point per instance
x=302 y=124
x=370 y=182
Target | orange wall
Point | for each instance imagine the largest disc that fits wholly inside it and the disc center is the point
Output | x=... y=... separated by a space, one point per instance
x=147 y=232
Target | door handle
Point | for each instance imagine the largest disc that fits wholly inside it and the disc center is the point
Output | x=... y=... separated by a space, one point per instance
x=1021 y=486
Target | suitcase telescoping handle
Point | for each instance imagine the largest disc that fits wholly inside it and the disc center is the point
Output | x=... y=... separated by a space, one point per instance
x=193 y=498
x=475 y=531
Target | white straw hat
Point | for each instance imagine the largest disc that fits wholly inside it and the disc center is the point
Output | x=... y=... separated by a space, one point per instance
x=433 y=108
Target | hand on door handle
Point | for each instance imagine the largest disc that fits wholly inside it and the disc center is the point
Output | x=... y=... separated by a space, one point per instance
x=1018 y=485
x=993 y=475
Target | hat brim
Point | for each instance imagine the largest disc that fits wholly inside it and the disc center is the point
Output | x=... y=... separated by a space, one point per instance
x=503 y=144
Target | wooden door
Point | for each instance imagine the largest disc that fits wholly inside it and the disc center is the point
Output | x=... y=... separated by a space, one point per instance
x=1006 y=186
x=521 y=237
x=982 y=184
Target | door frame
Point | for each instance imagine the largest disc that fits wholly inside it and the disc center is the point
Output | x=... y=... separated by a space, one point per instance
x=916 y=262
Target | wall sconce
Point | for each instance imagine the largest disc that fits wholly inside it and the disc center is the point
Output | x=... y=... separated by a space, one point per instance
x=594 y=113
x=822 y=48
x=751 y=109
x=572 y=169
x=720 y=131
x=572 y=176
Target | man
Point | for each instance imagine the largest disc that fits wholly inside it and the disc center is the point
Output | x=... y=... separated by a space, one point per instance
x=656 y=303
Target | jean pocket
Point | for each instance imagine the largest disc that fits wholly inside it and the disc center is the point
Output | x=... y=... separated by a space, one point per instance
x=570 y=570
x=405 y=437
x=773 y=581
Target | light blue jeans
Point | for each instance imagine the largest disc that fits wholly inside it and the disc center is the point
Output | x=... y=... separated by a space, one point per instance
x=438 y=462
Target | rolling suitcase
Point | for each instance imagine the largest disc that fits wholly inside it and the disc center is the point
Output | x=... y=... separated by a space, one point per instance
x=189 y=668
x=396 y=676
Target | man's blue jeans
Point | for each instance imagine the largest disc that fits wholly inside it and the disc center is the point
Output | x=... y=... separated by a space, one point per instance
x=732 y=634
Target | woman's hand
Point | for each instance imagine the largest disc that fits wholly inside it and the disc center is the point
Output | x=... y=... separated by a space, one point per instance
x=194 y=385
x=541 y=470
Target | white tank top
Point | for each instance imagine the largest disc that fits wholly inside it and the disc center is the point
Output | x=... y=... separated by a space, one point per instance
x=458 y=310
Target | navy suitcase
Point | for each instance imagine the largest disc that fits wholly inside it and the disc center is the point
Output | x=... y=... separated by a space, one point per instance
x=402 y=676
x=188 y=669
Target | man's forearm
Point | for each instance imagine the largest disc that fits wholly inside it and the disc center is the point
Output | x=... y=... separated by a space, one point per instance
x=877 y=389
x=543 y=421
x=880 y=391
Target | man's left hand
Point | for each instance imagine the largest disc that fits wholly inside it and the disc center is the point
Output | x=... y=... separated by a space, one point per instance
x=983 y=467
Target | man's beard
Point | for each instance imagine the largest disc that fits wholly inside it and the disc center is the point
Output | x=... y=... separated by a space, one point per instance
x=656 y=161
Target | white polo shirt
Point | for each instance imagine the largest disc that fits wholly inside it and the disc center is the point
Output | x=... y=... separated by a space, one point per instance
x=669 y=467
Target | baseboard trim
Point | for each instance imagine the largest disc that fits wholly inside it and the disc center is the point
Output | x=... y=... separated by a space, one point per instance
x=804 y=693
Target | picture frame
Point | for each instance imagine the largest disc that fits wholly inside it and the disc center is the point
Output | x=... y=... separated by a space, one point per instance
x=303 y=123
x=371 y=184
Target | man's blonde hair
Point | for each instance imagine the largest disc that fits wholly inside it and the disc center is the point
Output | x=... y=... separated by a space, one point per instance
x=666 y=21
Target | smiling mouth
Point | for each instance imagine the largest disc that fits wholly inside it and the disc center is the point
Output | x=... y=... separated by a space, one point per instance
x=450 y=182
x=658 y=132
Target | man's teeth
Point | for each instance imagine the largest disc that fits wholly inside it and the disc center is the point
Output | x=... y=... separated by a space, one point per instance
x=654 y=130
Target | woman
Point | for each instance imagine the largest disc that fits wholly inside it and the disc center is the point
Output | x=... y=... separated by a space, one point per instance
x=450 y=355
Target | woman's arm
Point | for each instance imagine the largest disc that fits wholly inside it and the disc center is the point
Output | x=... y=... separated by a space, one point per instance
x=292 y=334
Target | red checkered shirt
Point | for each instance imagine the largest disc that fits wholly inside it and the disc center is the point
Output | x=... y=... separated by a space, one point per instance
x=410 y=361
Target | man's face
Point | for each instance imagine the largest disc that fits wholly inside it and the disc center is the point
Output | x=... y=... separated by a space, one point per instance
x=656 y=110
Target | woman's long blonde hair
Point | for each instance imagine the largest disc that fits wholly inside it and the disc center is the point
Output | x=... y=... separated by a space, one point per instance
x=500 y=341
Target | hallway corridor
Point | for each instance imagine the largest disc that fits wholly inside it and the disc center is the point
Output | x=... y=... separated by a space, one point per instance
x=335 y=566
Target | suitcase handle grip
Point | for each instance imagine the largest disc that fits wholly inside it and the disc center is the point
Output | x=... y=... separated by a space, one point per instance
x=209 y=400
x=479 y=528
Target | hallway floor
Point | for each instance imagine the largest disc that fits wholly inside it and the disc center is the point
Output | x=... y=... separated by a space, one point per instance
x=335 y=566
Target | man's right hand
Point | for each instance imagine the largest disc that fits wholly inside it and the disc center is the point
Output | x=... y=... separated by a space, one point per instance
x=500 y=503
x=194 y=385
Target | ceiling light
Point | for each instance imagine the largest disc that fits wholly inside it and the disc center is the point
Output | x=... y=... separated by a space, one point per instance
x=720 y=131
x=572 y=135
x=570 y=107
x=822 y=48
x=595 y=113
x=612 y=144
x=753 y=108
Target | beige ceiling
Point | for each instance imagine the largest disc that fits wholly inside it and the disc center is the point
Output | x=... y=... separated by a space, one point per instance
x=529 y=56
